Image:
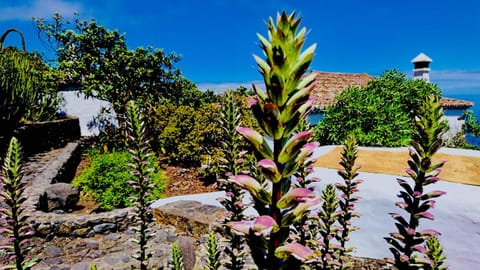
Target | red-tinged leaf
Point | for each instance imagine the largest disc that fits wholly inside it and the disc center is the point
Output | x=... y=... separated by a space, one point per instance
x=397 y=236
x=426 y=215
x=423 y=260
x=433 y=194
x=420 y=249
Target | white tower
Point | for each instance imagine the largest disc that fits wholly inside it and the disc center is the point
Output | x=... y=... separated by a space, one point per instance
x=421 y=69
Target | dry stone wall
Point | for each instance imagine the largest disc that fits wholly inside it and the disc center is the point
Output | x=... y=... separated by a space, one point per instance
x=47 y=174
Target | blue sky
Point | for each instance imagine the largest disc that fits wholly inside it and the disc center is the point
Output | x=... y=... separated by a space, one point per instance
x=217 y=38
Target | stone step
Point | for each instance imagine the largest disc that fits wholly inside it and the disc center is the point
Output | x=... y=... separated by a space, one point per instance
x=191 y=217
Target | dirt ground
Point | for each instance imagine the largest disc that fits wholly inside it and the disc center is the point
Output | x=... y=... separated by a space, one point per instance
x=459 y=168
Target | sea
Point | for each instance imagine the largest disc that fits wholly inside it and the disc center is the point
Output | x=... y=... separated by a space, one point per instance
x=473 y=96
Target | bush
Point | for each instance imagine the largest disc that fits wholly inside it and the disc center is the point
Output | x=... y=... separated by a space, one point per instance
x=192 y=136
x=380 y=114
x=185 y=133
x=106 y=179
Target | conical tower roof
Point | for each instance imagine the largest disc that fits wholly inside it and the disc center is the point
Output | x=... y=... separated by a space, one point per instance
x=421 y=58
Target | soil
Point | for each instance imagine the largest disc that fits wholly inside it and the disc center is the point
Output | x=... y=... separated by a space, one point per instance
x=183 y=181
x=458 y=168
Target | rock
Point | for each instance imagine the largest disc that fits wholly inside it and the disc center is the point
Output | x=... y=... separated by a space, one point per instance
x=61 y=196
x=65 y=228
x=104 y=227
x=44 y=229
x=186 y=245
x=82 y=232
x=52 y=251
x=91 y=244
x=191 y=217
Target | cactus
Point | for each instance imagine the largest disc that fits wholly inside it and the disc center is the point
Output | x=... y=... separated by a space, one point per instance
x=407 y=248
x=278 y=111
x=16 y=228
x=17 y=85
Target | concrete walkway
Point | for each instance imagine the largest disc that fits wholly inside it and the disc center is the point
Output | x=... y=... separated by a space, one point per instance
x=457 y=214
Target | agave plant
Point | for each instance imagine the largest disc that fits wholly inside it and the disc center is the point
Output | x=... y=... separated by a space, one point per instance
x=278 y=110
x=407 y=244
x=16 y=227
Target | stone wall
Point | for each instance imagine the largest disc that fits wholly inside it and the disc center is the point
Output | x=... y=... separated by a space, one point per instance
x=43 y=136
x=53 y=168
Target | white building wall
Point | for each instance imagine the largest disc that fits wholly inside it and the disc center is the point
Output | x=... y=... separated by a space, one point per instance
x=85 y=109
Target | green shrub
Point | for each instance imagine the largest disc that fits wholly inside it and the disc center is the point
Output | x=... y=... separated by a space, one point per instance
x=106 y=179
x=193 y=136
x=186 y=133
x=380 y=114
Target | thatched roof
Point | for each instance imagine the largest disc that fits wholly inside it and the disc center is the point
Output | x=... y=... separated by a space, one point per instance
x=455 y=104
x=329 y=84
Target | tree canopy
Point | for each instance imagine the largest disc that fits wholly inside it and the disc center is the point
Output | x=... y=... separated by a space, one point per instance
x=380 y=114
x=98 y=62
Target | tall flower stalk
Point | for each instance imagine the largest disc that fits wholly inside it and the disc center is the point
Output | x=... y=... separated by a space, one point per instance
x=407 y=244
x=348 y=198
x=141 y=182
x=278 y=110
x=232 y=164
x=16 y=228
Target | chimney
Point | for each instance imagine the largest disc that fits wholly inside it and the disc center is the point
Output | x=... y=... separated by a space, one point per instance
x=421 y=69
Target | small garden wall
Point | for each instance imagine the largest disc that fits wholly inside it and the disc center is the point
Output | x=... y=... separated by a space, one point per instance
x=55 y=171
x=43 y=136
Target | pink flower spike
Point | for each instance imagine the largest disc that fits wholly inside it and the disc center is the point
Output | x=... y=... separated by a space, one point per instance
x=411 y=172
x=267 y=164
x=404 y=258
x=425 y=215
x=295 y=196
x=252 y=135
x=434 y=194
x=300 y=252
x=402 y=205
x=252 y=102
x=270 y=170
x=263 y=225
x=242 y=227
x=420 y=249
x=429 y=233
x=246 y=181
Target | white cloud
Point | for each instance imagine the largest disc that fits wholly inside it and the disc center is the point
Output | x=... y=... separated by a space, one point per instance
x=39 y=9
x=457 y=81
x=222 y=86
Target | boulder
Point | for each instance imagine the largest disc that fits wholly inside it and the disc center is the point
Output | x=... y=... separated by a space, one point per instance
x=59 y=196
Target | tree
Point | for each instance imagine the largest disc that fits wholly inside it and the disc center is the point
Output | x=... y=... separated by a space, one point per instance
x=97 y=61
x=381 y=113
